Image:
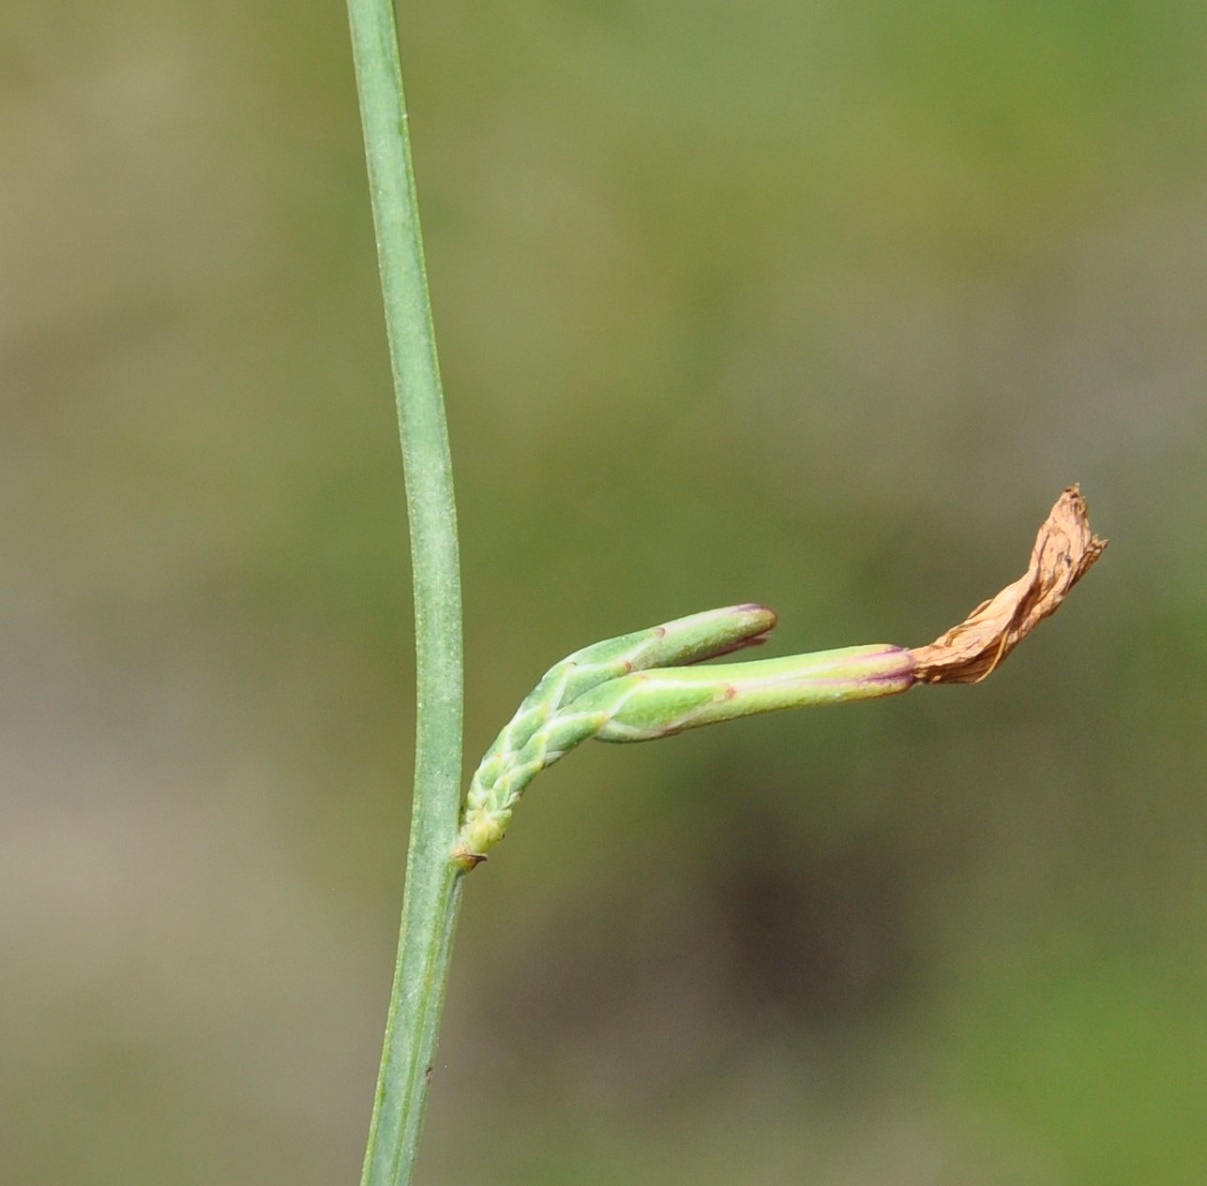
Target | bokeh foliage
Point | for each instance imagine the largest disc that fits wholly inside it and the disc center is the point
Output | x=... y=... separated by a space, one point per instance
x=813 y=304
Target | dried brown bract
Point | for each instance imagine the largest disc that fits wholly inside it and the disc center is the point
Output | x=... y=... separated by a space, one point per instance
x=1064 y=551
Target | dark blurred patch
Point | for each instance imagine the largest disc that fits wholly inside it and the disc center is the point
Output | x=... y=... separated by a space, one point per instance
x=818 y=935
x=757 y=931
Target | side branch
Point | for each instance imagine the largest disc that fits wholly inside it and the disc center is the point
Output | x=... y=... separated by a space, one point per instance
x=636 y=687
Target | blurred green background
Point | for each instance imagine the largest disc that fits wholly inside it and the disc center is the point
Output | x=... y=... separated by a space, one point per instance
x=815 y=304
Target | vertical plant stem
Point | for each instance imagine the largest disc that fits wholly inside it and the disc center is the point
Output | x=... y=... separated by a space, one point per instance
x=432 y=895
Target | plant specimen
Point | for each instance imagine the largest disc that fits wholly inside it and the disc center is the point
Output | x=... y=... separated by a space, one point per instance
x=638 y=687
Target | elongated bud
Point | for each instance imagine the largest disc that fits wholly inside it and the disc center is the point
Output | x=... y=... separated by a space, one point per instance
x=663 y=702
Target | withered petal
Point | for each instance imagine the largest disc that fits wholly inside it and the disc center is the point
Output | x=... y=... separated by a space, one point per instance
x=1064 y=551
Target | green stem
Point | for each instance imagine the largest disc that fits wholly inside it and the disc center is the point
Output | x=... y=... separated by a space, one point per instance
x=432 y=895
